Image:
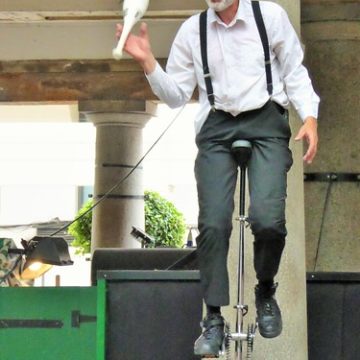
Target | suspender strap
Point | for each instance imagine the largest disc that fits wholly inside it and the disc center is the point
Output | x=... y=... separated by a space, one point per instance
x=203 y=43
x=265 y=43
x=264 y=40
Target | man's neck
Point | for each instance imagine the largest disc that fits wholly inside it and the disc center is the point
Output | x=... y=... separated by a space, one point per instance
x=228 y=14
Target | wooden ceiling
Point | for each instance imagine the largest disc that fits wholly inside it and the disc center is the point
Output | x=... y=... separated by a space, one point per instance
x=61 y=50
x=81 y=29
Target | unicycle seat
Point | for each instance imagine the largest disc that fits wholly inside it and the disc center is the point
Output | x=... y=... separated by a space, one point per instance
x=241 y=149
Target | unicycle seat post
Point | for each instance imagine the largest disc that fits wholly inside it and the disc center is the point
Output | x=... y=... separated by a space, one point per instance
x=242 y=193
x=241 y=150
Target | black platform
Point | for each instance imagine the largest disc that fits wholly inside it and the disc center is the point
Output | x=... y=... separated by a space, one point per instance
x=333 y=316
x=152 y=314
x=142 y=259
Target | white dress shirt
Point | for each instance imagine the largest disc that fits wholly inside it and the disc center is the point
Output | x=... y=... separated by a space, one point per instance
x=236 y=62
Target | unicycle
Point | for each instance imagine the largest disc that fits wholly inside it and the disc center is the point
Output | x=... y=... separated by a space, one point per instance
x=241 y=150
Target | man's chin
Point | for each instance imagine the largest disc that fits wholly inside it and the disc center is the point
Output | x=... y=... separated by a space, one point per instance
x=219 y=6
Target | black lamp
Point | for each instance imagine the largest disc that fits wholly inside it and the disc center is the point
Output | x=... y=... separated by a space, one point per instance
x=40 y=254
x=146 y=239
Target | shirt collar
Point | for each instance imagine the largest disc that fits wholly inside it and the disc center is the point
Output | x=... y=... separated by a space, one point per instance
x=242 y=13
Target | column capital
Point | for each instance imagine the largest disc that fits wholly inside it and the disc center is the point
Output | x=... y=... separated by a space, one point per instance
x=124 y=113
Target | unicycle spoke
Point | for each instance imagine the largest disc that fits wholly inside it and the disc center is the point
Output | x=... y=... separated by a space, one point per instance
x=227 y=338
x=250 y=341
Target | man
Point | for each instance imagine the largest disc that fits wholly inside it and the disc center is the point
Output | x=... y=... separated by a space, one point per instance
x=249 y=102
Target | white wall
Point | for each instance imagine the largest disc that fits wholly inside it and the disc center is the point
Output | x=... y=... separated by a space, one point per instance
x=43 y=163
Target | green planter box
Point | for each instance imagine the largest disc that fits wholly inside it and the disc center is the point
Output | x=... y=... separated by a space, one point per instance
x=51 y=323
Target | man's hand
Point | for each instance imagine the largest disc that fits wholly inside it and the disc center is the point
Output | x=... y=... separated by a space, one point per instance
x=138 y=47
x=309 y=132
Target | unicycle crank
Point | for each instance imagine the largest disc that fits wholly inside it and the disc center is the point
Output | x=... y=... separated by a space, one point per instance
x=239 y=338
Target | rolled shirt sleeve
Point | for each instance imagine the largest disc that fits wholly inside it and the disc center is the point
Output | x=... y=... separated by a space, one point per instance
x=175 y=86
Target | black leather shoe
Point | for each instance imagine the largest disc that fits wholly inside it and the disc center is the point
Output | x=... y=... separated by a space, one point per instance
x=268 y=312
x=210 y=341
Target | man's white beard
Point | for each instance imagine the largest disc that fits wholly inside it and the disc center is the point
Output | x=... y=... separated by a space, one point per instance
x=219 y=6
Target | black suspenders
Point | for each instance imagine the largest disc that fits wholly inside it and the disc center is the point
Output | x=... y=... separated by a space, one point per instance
x=264 y=40
x=265 y=43
x=203 y=42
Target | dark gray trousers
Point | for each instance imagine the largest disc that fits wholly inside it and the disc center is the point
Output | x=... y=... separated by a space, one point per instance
x=216 y=175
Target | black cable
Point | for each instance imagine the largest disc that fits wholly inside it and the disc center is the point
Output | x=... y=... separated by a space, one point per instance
x=121 y=180
x=183 y=261
x=326 y=203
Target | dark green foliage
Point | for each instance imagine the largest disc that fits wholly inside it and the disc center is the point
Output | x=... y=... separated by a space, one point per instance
x=81 y=229
x=162 y=221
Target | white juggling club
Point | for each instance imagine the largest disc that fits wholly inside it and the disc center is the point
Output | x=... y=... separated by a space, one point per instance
x=133 y=11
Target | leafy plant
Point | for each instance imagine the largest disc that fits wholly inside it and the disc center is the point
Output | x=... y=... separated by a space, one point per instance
x=163 y=222
x=81 y=229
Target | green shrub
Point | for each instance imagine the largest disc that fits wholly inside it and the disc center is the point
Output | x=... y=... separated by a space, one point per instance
x=81 y=229
x=162 y=221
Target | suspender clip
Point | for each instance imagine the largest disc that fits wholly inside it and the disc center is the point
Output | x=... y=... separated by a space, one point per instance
x=268 y=62
x=207 y=75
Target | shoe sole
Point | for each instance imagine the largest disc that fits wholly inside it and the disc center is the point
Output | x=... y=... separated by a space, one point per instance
x=208 y=356
x=270 y=335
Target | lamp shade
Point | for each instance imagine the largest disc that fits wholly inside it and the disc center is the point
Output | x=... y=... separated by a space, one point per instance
x=49 y=250
x=42 y=253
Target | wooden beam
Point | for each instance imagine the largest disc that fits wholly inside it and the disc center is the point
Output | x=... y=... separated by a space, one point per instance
x=74 y=86
x=41 y=16
x=72 y=81
x=82 y=80
x=70 y=66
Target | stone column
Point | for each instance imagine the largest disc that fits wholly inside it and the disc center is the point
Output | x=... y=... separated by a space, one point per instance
x=331 y=32
x=118 y=150
x=291 y=294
